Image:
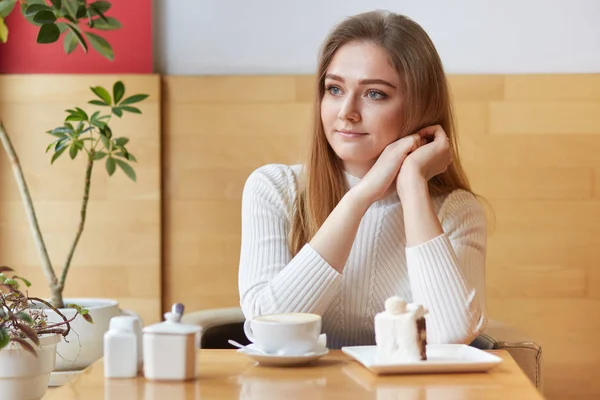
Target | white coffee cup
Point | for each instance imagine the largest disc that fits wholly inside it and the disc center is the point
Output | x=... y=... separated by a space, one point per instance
x=289 y=334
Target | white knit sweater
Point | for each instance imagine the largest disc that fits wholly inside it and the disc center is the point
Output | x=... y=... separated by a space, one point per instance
x=445 y=274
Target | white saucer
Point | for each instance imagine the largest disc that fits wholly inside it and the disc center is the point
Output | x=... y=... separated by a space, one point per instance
x=59 y=378
x=274 y=360
x=441 y=358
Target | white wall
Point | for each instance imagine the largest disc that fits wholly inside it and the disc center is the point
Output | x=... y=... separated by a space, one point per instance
x=208 y=37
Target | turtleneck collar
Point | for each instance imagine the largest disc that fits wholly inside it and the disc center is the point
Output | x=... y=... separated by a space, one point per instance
x=390 y=199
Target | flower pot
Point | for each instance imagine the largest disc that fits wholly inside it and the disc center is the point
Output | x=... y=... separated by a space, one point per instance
x=23 y=376
x=85 y=343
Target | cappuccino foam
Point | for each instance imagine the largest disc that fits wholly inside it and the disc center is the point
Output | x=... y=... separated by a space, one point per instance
x=288 y=318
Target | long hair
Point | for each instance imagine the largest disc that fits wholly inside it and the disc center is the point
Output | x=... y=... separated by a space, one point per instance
x=427 y=102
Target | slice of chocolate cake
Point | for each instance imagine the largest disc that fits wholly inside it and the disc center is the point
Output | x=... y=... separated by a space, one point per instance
x=400 y=332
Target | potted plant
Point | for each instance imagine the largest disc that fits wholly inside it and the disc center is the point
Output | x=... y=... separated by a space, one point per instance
x=28 y=339
x=83 y=133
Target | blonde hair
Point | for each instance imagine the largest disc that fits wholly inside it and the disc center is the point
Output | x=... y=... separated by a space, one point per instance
x=425 y=92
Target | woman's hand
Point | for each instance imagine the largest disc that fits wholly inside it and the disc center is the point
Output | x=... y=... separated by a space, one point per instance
x=381 y=176
x=429 y=160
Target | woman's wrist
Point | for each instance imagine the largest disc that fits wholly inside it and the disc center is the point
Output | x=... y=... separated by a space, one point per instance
x=411 y=185
x=358 y=199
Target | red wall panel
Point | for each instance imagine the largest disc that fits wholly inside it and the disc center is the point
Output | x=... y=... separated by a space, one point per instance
x=132 y=45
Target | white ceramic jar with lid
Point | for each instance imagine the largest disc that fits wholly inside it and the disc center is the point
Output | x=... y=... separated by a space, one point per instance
x=171 y=348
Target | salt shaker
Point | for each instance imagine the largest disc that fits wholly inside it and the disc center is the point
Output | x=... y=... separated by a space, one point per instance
x=121 y=348
x=170 y=348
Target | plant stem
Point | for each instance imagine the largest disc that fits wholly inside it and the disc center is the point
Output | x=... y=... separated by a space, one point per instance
x=30 y=211
x=86 y=196
x=50 y=306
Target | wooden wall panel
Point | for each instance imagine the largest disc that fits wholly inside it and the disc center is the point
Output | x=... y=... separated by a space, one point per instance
x=119 y=254
x=530 y=145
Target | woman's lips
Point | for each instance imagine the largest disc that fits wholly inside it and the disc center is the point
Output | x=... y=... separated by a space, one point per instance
x=351 y=134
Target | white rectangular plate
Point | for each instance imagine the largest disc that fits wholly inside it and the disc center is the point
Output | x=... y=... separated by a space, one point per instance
x=441 y=358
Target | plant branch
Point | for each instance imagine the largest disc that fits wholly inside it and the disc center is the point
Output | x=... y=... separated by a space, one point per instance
x=50 y=306
x=86 y=196
x=29 y=210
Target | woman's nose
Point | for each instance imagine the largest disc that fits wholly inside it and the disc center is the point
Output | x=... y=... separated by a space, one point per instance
x=349 y=110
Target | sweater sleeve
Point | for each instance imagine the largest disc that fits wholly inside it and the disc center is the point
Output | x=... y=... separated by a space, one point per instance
x=447 y=273
x=270 y=280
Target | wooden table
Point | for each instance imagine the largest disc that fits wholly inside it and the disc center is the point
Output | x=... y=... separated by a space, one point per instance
x=225 y=374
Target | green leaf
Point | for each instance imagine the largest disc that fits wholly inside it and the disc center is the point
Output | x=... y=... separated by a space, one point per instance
x=82 y=113
x=75 y=118
x=127 y=156
x=118 y=91
x=62 y=143
x=123 y=150
x=57 y=154
x=12 y=283
x=23 y=316
x=105 y=142
x=59 y=135
x=101 y=45
x=50 y=146
x=62 y=27
x=71 y=7
x=131 y=109
x=6 y=7
x=110 y=165
x=98 y=123
x=106 y=131
x=61 y=129
x=81 y=11
x=25 y=6
x=70 y=42
x=94 y=116
x=3 y=31
x=33 y=9
x=117 y=111
x=77 y=33
x=45 y=17
x=56 y=3
x=101 y=6
x=25 y=281
x=4 y=268
x=107 y=25
x=4 y=337
x=98 y=103
x=73 y=151
x=49 y=33
x=70 y=19
x=99 y=155
x=134 y=99
x=126 y=168
x=102 y=93
x=122 y=141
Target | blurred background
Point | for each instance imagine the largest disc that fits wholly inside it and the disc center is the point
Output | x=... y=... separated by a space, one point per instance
x=231 y=89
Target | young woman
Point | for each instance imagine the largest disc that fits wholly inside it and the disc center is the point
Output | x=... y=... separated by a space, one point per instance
x=381 y=208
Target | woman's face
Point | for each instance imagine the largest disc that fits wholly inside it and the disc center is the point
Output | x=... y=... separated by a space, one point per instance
x=361 y=107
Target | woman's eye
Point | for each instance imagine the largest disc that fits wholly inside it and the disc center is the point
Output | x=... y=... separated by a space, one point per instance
x=334 y=90
x=376 y=95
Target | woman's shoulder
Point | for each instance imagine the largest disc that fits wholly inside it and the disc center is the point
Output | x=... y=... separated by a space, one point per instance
x=459 y=202
x=275 y=175
x=275 y=180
